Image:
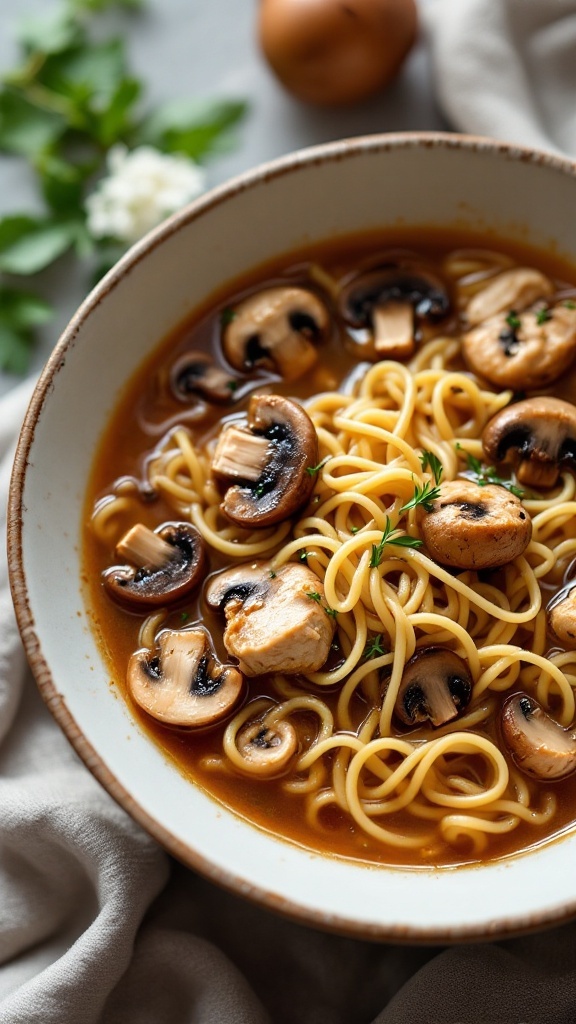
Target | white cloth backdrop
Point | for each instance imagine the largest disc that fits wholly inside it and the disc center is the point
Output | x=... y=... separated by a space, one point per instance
x=97 y=925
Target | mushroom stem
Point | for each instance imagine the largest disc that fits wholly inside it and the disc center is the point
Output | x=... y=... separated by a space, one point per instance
x=142 y=547
x=241 y=454
x=183 y=684
x=393 y=326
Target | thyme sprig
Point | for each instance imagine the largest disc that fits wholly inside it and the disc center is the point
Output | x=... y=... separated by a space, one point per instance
x=484 y=475
x=391 y=535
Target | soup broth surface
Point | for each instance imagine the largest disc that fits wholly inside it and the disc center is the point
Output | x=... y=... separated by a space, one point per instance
x=395 y=812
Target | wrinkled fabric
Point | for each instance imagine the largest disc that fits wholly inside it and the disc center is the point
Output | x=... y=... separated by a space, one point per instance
x=97 y=924
x=507 y=68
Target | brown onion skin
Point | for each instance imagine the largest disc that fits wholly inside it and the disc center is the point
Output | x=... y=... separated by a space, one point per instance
x=336 y=52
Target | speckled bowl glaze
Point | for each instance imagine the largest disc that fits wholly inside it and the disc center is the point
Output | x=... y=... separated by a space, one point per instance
x=314 y=195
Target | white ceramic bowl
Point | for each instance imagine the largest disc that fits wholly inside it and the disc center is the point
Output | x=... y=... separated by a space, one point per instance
x=332 y=190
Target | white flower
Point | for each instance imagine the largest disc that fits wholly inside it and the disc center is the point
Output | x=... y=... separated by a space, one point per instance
x=142 y=188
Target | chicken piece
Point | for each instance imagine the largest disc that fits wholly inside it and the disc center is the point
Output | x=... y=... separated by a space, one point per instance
x=276 y=620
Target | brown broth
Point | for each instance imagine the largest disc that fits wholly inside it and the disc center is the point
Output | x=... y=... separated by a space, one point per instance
x=143 y=416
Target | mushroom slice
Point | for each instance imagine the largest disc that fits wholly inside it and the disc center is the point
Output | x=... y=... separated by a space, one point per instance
x=473 y=527
x=266 y=750
x=276 y=619
x=164 y=565
x=538 y=436
x=183 y=684
x=276 y=329
x=539 y=746
x=561 y=612
x=522 y=351
x=265 y=462
x=436 y=685
x=196 y=374
x=515 y=289
x=390 y=301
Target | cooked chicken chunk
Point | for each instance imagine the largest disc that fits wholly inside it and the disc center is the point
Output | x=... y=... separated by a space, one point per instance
x=277 y=620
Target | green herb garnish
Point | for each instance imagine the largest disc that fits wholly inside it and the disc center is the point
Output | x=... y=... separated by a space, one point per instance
x=389 y=537
x=432 y=462
x=569 y=304
x=227 y=316
x=312 y=470
x=424 y=496
x=513 y=320
x=331 y=611
x=374 y=648
x=232 y=385
x=484 y=475
x=543 y=315
x=314 y=596
x=70 y=101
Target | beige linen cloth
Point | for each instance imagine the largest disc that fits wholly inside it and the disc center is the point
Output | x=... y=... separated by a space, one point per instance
x=97 y=925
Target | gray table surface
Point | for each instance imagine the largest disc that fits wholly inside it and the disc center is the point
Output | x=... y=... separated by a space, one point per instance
x=208 y=48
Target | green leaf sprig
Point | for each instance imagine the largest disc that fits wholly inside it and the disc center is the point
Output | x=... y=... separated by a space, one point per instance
x=71 y=98
x=484 y=475
x=374 y=647
x=391 y=535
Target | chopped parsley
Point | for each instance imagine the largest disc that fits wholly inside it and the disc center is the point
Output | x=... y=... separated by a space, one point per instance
x=303 y=556
x=569 y=304
x=232 y=385
x=485 y=475
x=331 y=611
x=513 y=320
x=184 y=616
x=314 y=596
x=374 y=647
x=227 y=316
x=272 y=574
x=388 y=537
x=543 y=315
x=354 y=529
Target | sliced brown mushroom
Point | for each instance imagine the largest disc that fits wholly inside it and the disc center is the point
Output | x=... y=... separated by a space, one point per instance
x=276 y=619
x=513 y=289
x=266 y=750
x=183 y=684
x=538 y=436
x=436 y=685
x=196 y=374
x=391 y=301
x=265 y=462
x=539 y=746
x=276 y=329
x=561 y=615
x=473 y=527
x=525 y=350
x=165 y=564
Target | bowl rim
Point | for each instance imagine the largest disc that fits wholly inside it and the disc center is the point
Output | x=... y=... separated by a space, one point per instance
x=55 y=701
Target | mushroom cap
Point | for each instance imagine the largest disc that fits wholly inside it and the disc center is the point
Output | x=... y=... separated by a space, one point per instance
x=436 y=685
x=524 y=357
x=561 y=616
x=276 y=329
x=513 y=289
x=417 y=287
x=538 y=436
x=276 y=619
x=196 y=374
x=143 y=585
x=284 y=485
x=183 y=684
x=267 y=750
x=539 y=746
x=473 y=527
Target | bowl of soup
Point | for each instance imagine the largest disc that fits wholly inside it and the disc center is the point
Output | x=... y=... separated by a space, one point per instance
x=292 y=536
